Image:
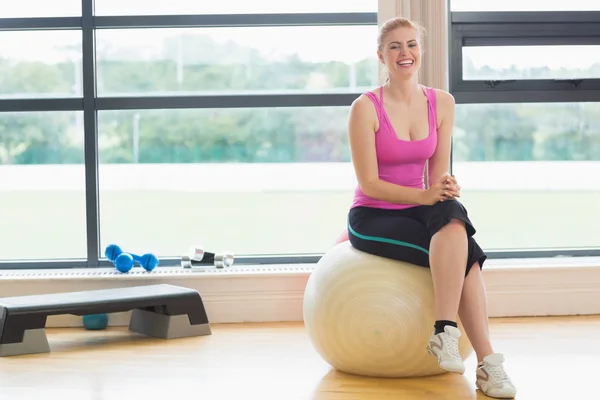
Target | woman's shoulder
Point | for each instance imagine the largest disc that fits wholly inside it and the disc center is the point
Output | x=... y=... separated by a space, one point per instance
x=367 y=100
x=364 y=110
x=442 y=97
x=444 y=103
x=370 y=96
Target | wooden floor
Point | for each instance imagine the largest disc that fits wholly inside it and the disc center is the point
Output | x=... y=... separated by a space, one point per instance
x=548 y=358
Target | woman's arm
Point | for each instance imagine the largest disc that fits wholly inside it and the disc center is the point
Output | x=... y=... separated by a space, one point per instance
x=439 y=163
x=361 y=127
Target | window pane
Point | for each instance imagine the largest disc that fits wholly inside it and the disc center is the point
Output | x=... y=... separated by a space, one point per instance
x=528 y=173
x=531 y=62
x=143 y=7
x=40 y=8
x=236 y=60
x=36 y=64
x=524 y=5
x=250 y=180
x=42 y=185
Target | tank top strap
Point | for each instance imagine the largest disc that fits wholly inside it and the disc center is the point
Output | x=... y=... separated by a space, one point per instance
x=377 y=102
x=432 y=100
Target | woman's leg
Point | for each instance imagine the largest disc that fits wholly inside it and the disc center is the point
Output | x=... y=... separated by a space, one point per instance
x=491 y=378
x=448 y=259
x=473 y=313
x=452 y=252
x=398 y=234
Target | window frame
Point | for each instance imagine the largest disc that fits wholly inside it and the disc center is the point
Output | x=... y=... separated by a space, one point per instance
x=466 y=28
x=527 y=28
x=91 y=103
x=522 y=28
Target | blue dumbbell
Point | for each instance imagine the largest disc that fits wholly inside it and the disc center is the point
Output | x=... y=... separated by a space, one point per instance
x=124 y=261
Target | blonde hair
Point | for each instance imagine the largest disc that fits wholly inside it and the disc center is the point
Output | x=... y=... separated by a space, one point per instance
x=391 y=25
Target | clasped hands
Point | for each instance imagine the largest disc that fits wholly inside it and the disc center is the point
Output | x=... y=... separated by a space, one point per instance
x=446 y=188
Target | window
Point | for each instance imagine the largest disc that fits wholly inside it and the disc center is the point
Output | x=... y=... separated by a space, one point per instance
x=48 y=66
x=40 y=8
x=236 y=60
x=525 y=171
x=531 y=62
x=516 y=57
x=252 y=180
x=42 y=185
x=186 y=7
x=157 y=125
x=524 y=5
x=527 y=131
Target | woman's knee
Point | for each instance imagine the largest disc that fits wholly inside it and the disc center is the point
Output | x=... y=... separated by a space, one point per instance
x=449 y=207
x=455 y=224
x=454 y=227
x=451 y=215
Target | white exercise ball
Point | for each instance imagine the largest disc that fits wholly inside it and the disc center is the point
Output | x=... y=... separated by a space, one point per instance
x=372 y=316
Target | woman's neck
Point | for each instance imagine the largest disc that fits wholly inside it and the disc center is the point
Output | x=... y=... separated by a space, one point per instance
x=402 y=90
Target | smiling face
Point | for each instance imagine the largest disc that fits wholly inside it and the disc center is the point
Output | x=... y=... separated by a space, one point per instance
x=400 y=52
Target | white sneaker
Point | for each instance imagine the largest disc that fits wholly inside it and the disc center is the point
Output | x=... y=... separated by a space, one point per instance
x=444 y=346
x=493 y=380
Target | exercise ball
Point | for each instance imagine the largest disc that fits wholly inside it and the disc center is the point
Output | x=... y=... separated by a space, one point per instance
x=372 y=316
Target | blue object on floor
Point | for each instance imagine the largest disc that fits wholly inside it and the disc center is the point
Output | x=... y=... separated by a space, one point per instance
x=95 y=322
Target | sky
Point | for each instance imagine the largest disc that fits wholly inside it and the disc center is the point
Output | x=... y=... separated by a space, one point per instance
x=335 y=43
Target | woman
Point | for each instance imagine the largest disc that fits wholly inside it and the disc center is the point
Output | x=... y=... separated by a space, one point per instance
x=395 y=131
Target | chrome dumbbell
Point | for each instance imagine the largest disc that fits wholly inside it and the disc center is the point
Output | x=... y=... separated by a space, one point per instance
x=197 y=257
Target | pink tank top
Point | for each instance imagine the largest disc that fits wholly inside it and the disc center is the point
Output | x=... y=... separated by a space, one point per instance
x=401 y=162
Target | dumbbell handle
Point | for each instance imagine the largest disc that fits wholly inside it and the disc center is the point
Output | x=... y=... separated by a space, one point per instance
x=114 y=251
x=136 y=258
x=219 y=260
x=207 y=258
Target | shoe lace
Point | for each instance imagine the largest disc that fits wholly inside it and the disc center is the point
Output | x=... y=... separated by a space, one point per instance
x=498 y=373
x=452 y=347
